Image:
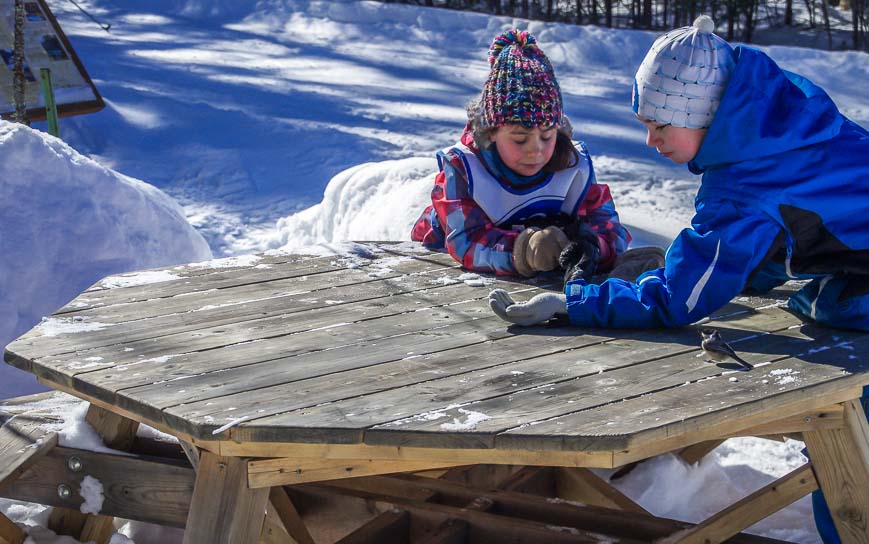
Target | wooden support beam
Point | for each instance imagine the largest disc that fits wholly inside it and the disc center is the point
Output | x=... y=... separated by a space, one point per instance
x=392 y=526
x=138 y=488
x=582 y=485
x=840 y=458
x=23 y=440
x=97 y=528
x=10 y=533
x=117 y=432
x=276 y=472
x=517 y=507
x=698 y=451
x=828 y=417
x=223 y=509
x=289 y=515
x=274 y=531
x=532 y=480
x=450 y=531
x=750 y=510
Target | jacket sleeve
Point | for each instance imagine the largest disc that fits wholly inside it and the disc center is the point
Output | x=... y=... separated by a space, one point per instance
x=470 y=236
x=707 y=266
x=599 y=210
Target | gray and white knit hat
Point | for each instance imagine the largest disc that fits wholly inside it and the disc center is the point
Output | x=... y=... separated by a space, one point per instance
x=683 y=76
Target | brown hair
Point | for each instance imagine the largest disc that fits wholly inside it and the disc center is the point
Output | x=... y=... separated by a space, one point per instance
x=565 y=155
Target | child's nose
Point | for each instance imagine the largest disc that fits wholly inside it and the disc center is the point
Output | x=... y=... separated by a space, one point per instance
x=651 y=137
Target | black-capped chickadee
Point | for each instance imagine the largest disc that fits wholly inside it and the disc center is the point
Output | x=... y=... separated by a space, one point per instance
x=717 y=350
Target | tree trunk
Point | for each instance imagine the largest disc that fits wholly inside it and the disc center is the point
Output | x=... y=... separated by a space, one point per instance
x=789 y=12
x=826 y=11
x=647 y=14
x=608 y=8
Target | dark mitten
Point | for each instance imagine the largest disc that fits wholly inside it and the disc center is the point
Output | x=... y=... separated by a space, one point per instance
x=633 y=262
x=581 y=256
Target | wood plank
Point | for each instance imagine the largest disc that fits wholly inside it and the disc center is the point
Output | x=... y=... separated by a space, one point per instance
x=10 y=533
x=753 y=508
x=392 y=526
x=840 y=458
x=201 y=376
x=23 y=440
x=357 y=301
x=134 y=487
x=582 y=485
x=828 y=417
x=201 y=416
x=520 y=507
x=521 y=393
x=337 y=330
x=695 y=452
x=98 y=529
x=290 y=471
x=217 y=274
x=273 y=530
x=116 y=431
x=811 y=381
x=289 y=516
x=253 y=284
x=223 y=509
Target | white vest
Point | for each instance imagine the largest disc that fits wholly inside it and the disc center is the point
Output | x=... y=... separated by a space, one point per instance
x=561 y=192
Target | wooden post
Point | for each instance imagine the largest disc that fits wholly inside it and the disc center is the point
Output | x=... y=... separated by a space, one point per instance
x=50 y=105
x=9 y=532
x=582 y=485
x=224 y=510
x=840 y=458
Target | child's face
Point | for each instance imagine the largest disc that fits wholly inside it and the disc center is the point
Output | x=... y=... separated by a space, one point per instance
x=678 y=144
x=525 y=150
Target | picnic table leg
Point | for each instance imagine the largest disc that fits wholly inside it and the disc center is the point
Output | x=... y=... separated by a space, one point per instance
x=840 y=458
x=9 y=532
x=224 y=510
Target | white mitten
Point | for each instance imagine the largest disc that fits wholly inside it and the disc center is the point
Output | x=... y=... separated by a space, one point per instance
x=540 y=308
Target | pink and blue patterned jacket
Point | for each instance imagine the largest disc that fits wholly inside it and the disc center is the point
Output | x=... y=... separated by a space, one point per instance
x=456 y=222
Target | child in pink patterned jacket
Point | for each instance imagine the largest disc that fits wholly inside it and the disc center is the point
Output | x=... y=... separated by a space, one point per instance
x=515 y=192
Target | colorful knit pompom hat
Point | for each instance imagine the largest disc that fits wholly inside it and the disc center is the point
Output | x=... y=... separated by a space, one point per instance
x=521 y=88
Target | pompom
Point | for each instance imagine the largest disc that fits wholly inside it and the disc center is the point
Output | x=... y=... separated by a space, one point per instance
x=704 y=23
x=514 y=36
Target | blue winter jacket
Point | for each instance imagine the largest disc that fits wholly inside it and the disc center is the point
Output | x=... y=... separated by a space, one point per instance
x=784 y=193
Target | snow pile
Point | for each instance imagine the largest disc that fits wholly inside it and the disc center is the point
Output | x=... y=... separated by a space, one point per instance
x=66 y=223
x=372 y=201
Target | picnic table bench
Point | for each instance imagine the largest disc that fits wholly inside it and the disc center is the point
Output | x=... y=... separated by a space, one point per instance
x=380 y=375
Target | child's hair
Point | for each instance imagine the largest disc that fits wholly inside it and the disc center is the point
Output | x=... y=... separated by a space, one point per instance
x=565 y=154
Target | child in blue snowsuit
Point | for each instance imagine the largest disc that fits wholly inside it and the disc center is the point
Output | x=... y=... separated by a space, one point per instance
x=783 y=196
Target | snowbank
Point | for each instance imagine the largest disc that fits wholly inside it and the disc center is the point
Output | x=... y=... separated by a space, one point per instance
x=66 y=223
x=372 y=201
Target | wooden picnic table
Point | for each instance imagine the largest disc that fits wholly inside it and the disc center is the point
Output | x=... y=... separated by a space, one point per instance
x=281 y=369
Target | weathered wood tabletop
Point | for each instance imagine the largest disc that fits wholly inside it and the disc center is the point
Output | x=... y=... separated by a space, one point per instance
x=388 y=359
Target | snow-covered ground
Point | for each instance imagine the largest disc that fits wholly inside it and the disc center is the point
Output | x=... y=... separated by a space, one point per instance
x=289 y=123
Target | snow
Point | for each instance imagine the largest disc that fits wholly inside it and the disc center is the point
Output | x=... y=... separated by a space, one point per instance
x=299 y=125
x=91 y=491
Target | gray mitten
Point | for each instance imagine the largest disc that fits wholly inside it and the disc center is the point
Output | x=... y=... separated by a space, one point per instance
x=540 y=308
x=633 y=262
